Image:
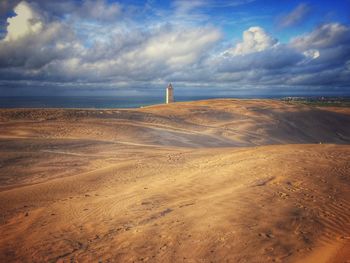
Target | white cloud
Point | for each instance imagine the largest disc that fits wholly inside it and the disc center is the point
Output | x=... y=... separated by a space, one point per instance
x=99 y=10
x=255 y=39
x=178 y=48
x=32 y=42
x=328 y=45
x=116 y=51
x=325 y=36
x=315 y=59
x=295 y=16
x=185 y=6
x=26 y=22
x=312 y=53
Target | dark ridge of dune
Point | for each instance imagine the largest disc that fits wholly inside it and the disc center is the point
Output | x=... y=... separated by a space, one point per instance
x=209 y=123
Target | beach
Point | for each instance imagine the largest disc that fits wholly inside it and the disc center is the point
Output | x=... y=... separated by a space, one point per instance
x=222 y=180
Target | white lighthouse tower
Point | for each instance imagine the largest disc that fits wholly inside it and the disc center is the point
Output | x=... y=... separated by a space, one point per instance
x=169 y=94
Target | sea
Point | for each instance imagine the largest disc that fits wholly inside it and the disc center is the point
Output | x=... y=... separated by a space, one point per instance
x=98 y=102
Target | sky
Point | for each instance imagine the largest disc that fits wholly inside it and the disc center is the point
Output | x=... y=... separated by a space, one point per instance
x=134 y=48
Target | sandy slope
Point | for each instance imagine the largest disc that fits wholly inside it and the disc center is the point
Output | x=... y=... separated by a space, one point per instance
x=207 y=181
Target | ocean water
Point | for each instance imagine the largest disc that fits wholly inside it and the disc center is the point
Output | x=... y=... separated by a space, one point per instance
x=99 y=102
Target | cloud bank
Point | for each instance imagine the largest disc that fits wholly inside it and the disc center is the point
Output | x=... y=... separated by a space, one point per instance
x=99 y=44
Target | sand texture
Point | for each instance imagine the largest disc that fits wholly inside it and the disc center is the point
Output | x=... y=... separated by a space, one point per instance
x=205 y=181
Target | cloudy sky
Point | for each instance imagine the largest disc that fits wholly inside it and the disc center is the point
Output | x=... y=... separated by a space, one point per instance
x=244 y=47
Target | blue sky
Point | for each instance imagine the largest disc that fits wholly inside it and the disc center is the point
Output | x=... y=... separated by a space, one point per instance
x=135 y=47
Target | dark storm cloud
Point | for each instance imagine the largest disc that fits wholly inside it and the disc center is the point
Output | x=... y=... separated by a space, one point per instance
x=277 y=57
x=7 y=6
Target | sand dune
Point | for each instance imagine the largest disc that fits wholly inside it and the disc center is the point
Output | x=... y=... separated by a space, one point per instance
x=206 y=181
